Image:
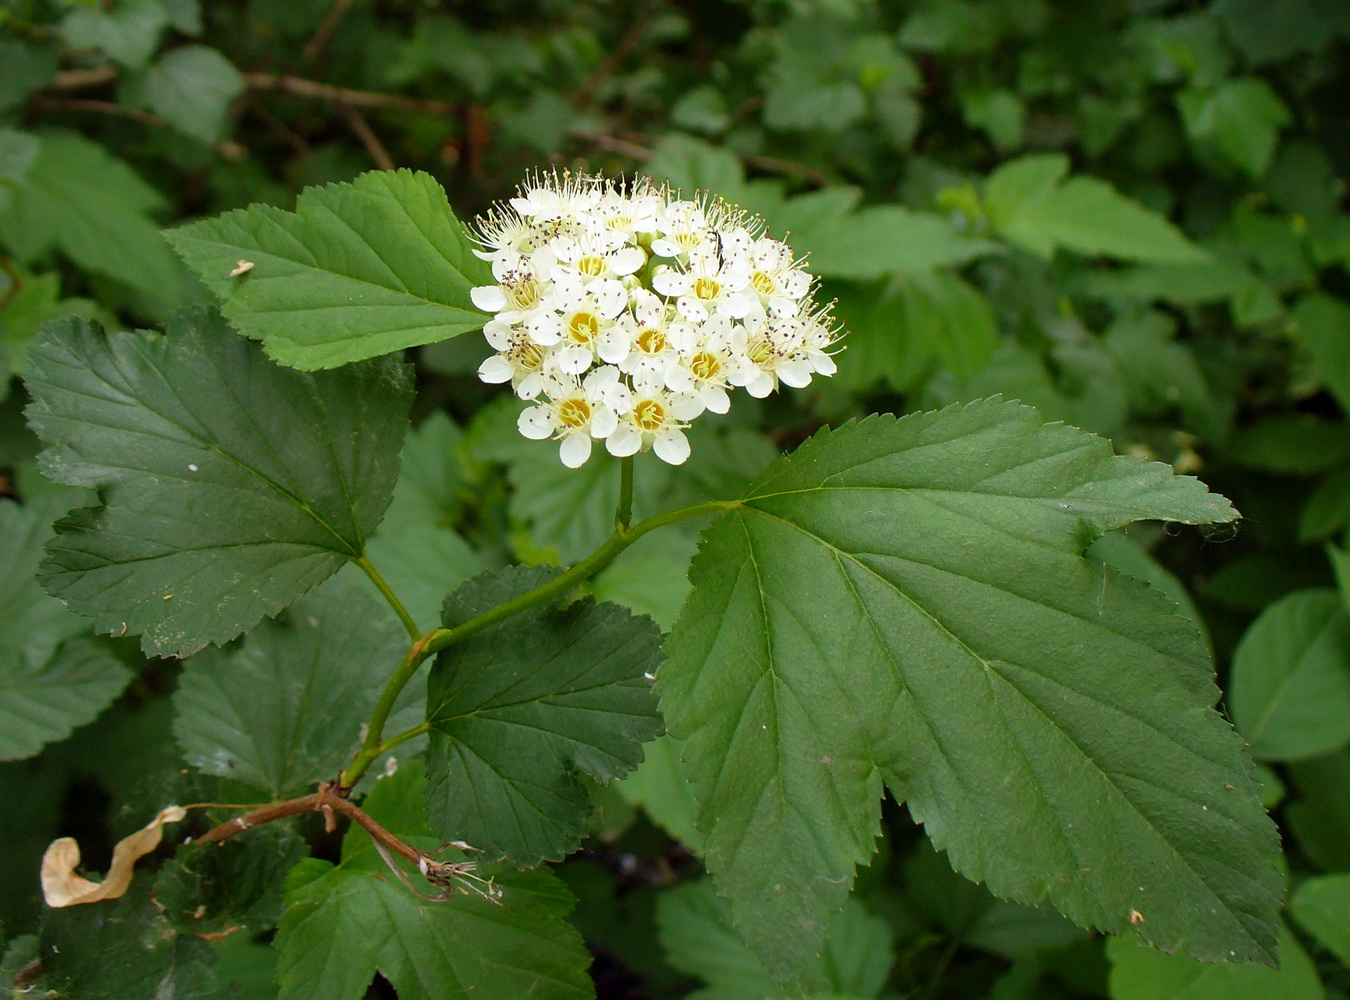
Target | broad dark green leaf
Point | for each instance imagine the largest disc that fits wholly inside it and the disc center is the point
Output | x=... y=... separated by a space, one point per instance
x=128 y=30
x=1290 y=687
x=907 y=602
x=1318 y=813
x=285 y=708
x=230 y=485
x=1323 y=325
x=1139 y=972
x=356 y=271
x=343 y=924
x=1031 y=204
x=519 y=709
x=50 y=681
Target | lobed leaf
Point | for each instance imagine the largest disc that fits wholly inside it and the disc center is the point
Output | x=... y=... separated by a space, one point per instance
x=356 y=271
x=229 y=485
x=518 y=709
x=906 y=602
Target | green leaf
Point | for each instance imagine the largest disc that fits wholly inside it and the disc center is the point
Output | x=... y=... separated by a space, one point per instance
x=1290 y=687
x=192 y=88
x=127 y=30
x=1319 y=816
x=699 y=938
x=356 y=271
x=420 y=562
x=1322 y=908
x=906 y=601
x=209 y=522
x=121 y=949
x=519 y=709
x=95 y=209
x=1240 y=118
x=343 y=924
x=230 y=886
x=1030 y=204
x=1323 y=324
x=885 y=239
x=661 y=789
x=285 y=708
x=1139 y=972
x=50 y=682
x=431 y=482
x=1291 y=443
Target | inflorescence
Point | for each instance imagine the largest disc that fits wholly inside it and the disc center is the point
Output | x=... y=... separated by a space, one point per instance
x=624 y=312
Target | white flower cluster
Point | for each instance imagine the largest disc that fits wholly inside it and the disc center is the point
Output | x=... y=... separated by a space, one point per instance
x=624 y=312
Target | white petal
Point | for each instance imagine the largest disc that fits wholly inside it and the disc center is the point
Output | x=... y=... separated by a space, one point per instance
x=544 y=329
x=760 y=386
x=530 y=386
x=610 y=296
x=488 y=298
x=666 y=248
x=629 y=260
x=668 y=281
x=716 y=399
x=603 y=422
x=822 y=363
x=495 y=370
x=624 y=441
x=735 y=305
x=795 y=373
x=686 y=405
x=612 y=345
x=672 y=447
x=536 y=423
x=573 y=360
x=574 y=450
x=679 y=378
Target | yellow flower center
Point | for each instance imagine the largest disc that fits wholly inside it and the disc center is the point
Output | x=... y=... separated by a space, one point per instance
x=763 y=283
x=649 y=415
x=706 y=289
x=592 y=267
x=522 y=294
x=760 y=352
x=526 y=355
x=574 y=413
x=688 y=239
x=705 y=366
x=583 y=327
x=651 y=341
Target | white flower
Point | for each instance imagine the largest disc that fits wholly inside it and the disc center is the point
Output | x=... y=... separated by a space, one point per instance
x=610 y=347
x=656 y=421
x=576 y=411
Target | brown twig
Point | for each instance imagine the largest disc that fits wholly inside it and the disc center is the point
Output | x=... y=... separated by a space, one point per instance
x=82 y=79
x=15 y=283
x=99 y=107
x=356 y=98
x=611 y=62
x=315 y=46
x=358 y=124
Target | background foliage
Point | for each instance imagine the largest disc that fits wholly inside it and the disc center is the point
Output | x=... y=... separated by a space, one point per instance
x=1129 y=213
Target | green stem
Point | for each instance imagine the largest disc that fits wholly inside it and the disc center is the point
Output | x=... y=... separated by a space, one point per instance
x=623 y=517
x=437 y=639
x=414 y=632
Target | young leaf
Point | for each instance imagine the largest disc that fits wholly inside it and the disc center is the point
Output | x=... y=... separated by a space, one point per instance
x=1138 y=972
x=517 y=710
x=285 y=709
x=50 y=682
x=229 y=485
x=907 y=601
x=1031 y=204
x=1240 y=118
x=1290 y=688
x=343 y=924
x=356 y=271
x=191 y=88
